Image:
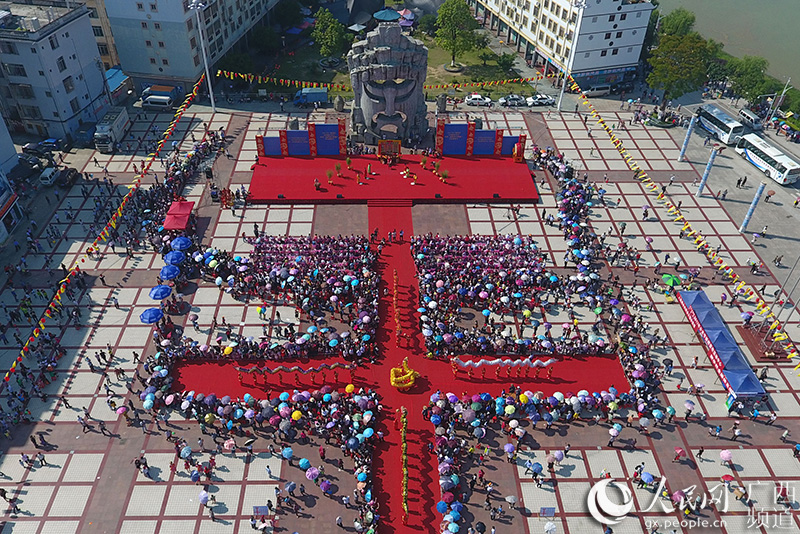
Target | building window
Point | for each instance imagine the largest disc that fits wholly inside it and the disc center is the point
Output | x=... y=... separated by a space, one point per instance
x=144 y=25
x=193 y=43
x=69 y=85
x=630 y=49
x=8 y=48
x=53 y=42
x=152 y=61
x=153 y=7
x=97 y=31
x=189 y=25
x=74 y=105
x=48 y=94
x=161 y=44
x=612 y=18
x=639 y=15
x=157 y=25
x=165 y=62
x=607 y=36
x=148 y=43
x=31 y=112
x=61 y=64
x=139 y=6
x=586 y=55
x=103 y=49
x=196 y=60
x=15 y=70
x=24 y=91
x=619 y=34
x=41 y=73
x=623 y=16
x=603 y=53
x=615 y=52
x=92 y=13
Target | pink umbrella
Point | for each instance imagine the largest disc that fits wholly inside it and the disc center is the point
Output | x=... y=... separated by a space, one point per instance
x=122 y=409
x=448 y=497
x=229 y=445
x=678 y=495
x=312 y=473
x=725 y=455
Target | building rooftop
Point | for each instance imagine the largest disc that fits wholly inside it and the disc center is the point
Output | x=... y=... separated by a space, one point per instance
x=31 y=17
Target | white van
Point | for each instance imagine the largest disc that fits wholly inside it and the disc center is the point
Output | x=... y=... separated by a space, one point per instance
x=750 y=119
x=598 y=90
x=158 y=102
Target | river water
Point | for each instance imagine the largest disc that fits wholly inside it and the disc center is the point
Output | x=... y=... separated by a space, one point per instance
x=766 y=28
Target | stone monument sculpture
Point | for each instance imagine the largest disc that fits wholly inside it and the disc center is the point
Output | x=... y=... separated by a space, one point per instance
x=388 y=71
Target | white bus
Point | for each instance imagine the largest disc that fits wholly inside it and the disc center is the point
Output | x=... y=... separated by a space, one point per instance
x=721 y=125
x=771 y=160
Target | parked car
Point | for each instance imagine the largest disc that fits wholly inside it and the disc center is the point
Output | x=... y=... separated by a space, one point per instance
x=512 y=101
x=622 y=87
x=476 y=99
x=52 y=144
x=32 y=162
x=35 y=149
x=68 y=177
x=49 y=176
x=540 y=100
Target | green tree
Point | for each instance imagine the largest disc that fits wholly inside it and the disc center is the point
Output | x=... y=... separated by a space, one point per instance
x=329 y=34
x=485 y=56
x=748 y=77
x=456 y=28
x=287 y=13
x=679 y=65
x=679 y=22
x=506 y=61
x=427 y=24
x=265 y=39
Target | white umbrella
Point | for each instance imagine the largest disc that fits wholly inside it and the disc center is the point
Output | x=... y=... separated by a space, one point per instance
x=549 y=528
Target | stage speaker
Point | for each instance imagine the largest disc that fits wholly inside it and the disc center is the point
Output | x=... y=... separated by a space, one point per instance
x=281 y=196
x=496 y=195
x=438 y=195
x=339 y=196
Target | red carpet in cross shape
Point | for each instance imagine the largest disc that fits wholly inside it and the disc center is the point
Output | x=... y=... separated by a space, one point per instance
x=571 y=373
x=471 y=179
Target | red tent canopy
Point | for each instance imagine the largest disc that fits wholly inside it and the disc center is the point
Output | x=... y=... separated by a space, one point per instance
x=178 y=215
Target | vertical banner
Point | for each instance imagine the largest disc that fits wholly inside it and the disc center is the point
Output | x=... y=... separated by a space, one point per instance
x=470 y=138
x=498 y=142
x=522 y=139
x=312 y=138
x=342 y=137
x=284 y=143
x=439 y=135
x=260 y=146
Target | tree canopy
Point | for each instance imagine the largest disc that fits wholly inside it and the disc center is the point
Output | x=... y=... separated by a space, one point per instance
x=288 y=13
x=748 y=77
x=679 y=22
x=427 y=24
x=329 y=34
x=265 y=39
x=679 y=65
x=456 y=28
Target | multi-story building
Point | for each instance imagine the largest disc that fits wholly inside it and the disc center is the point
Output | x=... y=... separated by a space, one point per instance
x=101 y=28
x=159 y=43
x=52 y=79
x=10 y=212
x=610 y=37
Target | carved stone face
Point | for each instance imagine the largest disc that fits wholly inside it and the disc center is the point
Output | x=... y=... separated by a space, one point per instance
x=388 y=72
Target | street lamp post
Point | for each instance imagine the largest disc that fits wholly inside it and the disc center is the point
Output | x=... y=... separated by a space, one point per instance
x=197 y=7
x=581 y=5
x=776 y=102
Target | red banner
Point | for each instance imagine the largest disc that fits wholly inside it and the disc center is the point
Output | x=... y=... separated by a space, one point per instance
x=284 y=143
x=260 y=146
x=312 y=138
x=522 y=140
x=470 y=138
x=498 y=142
x=342 y=137
x=439 y=135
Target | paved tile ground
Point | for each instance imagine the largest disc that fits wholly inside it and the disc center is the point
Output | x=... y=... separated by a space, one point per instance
x=90 y=484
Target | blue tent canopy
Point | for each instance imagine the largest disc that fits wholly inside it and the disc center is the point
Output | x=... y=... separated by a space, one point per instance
x=151 y=315
x=181 y=243
x=731 y=361
x=709 y=318
x=174 y=258
x=168 y=272
x=744 y=383
x=386 y=15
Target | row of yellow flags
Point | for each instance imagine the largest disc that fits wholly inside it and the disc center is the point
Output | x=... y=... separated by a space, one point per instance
x=104 y=234
x=742 y=288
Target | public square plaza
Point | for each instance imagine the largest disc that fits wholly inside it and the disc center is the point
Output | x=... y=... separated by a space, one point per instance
x=90 y=483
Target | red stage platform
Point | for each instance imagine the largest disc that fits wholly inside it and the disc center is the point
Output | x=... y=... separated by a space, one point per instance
x=470 y=180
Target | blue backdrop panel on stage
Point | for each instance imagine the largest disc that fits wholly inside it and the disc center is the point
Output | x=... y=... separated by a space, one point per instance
x=327 y=139
x=298 y=142
x=455 y=139
x=508 y=144
x=272 y=146
x=484 y=142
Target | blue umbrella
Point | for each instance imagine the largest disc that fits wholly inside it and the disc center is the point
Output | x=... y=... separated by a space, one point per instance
x=647 y=478
x=186 y=452
x=536 y=467
x=151 y=315
x=638 y=384
x=287 y=453
x=388 y=15
x=168 y=272
x=174 y=258
x=160 y=292
x=181 y=243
